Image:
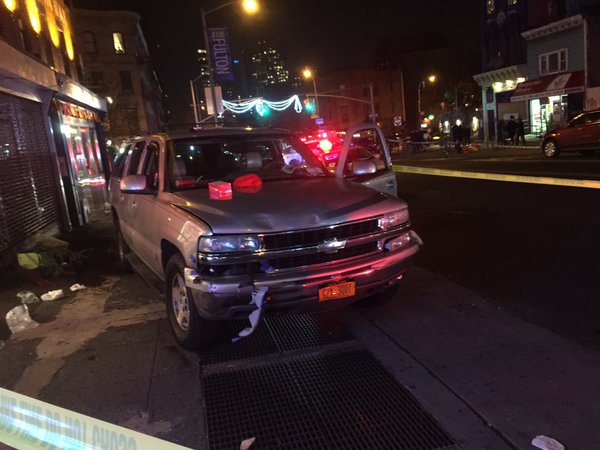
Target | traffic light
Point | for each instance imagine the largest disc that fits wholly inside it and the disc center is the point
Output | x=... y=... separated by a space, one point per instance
x=309 y=105
x=262 y=109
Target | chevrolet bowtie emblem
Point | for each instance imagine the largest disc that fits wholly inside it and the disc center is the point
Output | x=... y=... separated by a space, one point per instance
x=331 y=246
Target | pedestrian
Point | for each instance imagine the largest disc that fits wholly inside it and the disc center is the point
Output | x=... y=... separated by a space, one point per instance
x=520 y=131
x=500 y=132
x=457 y=137
x=467 y=135
x=511 y=129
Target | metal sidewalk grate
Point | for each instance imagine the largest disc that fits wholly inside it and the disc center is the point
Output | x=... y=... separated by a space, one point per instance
x=343 y=400
x=277 y=334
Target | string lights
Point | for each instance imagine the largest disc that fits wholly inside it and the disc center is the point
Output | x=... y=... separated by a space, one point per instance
x=262 y=106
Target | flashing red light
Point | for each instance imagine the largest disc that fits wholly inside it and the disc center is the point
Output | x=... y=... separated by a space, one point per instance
x=325 y=145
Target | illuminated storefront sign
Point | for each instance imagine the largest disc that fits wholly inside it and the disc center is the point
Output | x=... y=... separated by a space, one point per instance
x=68 y=109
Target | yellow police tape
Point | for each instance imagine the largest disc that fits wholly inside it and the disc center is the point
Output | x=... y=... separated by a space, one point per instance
x=27 y=423
x=550 y=181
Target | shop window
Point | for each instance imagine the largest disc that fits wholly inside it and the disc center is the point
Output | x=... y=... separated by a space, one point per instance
x=126 y=82
x=491 y=6
x=554 y=62
x=89 y=42
x=118 y=45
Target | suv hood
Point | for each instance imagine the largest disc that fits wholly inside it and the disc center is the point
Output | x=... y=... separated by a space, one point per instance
x=287 y=205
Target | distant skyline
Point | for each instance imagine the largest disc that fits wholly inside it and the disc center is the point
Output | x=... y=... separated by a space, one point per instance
x=320 y=34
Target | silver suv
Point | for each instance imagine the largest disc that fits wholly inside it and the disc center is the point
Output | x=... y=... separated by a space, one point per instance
x=220 y=215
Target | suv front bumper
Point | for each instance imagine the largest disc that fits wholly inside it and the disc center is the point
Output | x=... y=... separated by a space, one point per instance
x=297 y=291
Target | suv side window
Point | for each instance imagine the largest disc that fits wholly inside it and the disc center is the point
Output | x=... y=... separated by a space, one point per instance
x=578 y=121
x=119 y=164
x=366 y=145
x=150 y=163
x=133 y=158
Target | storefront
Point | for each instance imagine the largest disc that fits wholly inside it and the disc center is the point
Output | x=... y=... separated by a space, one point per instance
x=82 y=161
x=552 y=100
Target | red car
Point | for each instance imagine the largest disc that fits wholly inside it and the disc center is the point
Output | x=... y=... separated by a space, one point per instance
x=582 y=133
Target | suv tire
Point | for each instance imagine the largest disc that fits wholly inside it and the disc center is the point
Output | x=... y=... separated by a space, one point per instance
x=190 y=330
x=550 y=149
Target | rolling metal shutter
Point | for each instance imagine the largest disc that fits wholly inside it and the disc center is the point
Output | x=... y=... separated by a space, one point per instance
x=28 y=198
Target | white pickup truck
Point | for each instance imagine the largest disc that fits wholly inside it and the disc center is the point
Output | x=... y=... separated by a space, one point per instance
x=221 y=214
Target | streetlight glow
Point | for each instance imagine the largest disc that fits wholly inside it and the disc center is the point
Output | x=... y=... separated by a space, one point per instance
x=307 y=73
x=432 y=78
x=250 y=6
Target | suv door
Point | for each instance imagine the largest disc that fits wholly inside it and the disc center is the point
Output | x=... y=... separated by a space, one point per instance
x=365 y=158
x=143 y=209
x=128 y=202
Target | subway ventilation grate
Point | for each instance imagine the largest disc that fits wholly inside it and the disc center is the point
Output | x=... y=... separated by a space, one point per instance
x=341 y=400
x=275 y=334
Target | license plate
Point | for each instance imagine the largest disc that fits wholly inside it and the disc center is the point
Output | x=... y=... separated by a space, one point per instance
x=335 y=291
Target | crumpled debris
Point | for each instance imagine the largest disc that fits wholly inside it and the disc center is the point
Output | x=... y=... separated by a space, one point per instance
x=29 y=261
x=247 y=443
x=77 y=287
x=547 y=443
x=53 y=295
x=18 y=319
x=258 y=299
x=27 y=297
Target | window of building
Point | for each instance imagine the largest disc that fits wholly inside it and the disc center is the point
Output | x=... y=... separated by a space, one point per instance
x=126 y=82
x=491 y=6
x=118 y=43
x=554 y=62
x=89 y=42
x=512 y=2
x=131 y=118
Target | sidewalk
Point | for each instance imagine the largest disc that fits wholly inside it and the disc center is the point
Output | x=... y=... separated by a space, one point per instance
x=107 y=352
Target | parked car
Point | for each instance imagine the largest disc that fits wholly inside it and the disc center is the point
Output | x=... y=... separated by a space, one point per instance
x=217 y=214
x=582 y=133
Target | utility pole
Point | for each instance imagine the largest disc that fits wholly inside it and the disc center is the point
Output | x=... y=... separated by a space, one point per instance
x=372 y=103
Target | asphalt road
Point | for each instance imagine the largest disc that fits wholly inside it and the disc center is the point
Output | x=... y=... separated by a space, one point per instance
x=529 y=248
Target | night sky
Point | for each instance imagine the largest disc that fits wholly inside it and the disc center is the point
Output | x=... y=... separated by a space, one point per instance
x=323 y=34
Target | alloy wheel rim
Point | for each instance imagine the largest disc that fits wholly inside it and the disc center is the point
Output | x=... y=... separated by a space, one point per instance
x=180 y=303
x=550 y=149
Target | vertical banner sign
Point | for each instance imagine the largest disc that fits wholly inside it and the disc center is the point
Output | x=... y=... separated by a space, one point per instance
x=220 y=54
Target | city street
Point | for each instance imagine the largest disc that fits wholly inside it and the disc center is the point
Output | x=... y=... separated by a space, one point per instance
x=495 y=339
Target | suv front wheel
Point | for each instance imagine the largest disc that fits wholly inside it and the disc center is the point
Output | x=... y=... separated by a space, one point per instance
x=190 y=330
x=550 y=148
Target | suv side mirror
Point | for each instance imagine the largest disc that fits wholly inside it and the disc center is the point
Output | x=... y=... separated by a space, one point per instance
x=136 y=184
x=363 y=167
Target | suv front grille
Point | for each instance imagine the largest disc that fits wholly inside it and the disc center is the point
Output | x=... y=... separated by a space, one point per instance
x=320 y=258
x=278 y=241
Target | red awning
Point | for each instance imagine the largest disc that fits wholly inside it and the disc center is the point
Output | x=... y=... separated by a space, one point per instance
x=550 y=85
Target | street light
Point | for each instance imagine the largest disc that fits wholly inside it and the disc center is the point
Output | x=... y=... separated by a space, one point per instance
x=308 y=75
x=432 y=79
x=250 y=7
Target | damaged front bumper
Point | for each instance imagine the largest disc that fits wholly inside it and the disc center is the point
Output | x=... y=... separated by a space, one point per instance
x=297 y=291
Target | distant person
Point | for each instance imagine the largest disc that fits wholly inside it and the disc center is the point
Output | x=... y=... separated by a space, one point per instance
x=467 y=135
x=500 y=131
x=457 y=137
x=511 y=129
x=520 y=131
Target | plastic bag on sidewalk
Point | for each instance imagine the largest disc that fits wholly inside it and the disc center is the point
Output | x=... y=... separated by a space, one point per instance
x=547 y=443
x=77 y=287
x=18 y=319
x=53 y=295
x=27 y=297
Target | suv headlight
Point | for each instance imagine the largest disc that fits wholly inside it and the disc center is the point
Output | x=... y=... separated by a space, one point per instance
x=224 y=244
x=394 y=219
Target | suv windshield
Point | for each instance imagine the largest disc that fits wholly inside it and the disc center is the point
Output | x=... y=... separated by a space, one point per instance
x=194 y=162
